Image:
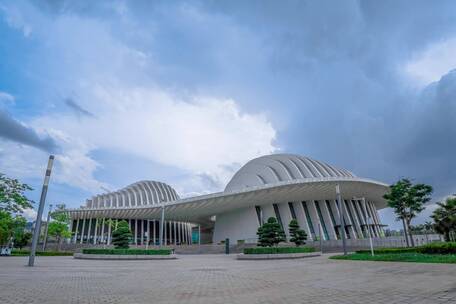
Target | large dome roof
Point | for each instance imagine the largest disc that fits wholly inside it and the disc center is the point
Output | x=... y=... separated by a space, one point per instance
x=137 y=194
x=275 y=168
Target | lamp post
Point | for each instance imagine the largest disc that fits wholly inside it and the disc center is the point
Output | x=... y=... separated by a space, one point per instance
x=36 y=232
x=47 y=227
x=363 y=199
x=342 y=220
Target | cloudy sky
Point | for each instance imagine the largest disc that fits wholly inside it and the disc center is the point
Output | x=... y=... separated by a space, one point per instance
x=186 y=92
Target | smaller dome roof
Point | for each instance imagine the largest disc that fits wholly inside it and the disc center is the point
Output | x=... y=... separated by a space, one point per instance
x=276 y=168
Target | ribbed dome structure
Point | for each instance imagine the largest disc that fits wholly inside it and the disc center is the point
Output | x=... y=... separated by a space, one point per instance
x=137 y=194
x=276 y=168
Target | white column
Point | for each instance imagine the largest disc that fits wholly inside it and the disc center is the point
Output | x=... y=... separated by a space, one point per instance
x=186 y=233
x=190 y=234
x=142 y=232
x=179 y=231
x=136 y=231
x=148 y=233
x=357 y=222
x=95 y=232
x=76 y=232
x=175 y=233
x=109 y=232
x=165 y=241
x=102 y=231
x=154 y=233
x=82 y=232
x=89 y=230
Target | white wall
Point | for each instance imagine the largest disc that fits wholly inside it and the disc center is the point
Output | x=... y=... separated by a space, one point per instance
x=240 y=224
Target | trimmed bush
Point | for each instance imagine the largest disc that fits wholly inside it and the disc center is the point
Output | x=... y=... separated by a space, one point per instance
x=121 y=236
x=438 y=248
x=127 y=251
x=277 y=250
x=389 y=250
x=41 y=253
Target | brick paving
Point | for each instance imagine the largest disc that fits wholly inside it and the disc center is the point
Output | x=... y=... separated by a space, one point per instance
x=222 y=279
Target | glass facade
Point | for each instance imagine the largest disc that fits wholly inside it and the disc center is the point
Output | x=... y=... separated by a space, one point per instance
x=292 y=211
x=277 y=214
x=322 y=221
x=309 y=220
x=259 y=215
x=333 y=220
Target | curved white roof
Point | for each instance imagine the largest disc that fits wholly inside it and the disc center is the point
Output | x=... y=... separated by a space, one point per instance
x=137 y=194
x=271 y=169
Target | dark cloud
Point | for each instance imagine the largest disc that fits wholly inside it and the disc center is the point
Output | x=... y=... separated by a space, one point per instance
x=12 y=129
x=80 y=111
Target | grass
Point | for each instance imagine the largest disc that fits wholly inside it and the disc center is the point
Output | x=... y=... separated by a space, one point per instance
x=277 y=250
x=41 y=253
x=400 y=257
x=127 y=251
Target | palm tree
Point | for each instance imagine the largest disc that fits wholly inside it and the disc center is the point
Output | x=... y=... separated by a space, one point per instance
x=445 y=219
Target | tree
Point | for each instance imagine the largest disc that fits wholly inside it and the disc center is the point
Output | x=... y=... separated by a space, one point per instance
x=445 y=218
x=121 y=236
x=23 y=239
x=408 y=201
x=12 y=198
x=270 y=233
x=6 y=224
x=58 y=228
x=298 y=236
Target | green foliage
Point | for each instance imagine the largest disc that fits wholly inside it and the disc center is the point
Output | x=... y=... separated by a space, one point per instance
x=270 y=234
x=22 y=240
x=41 y=253
x=276 y=250
x=438 y=248
x=127 y=251
x=445 y=218
x=58 y=228
x=297 y=235
x=399 y=257
x=389 y=250
x=11 y=227
x=121 y=236
x=12 y=198
x=407 y=200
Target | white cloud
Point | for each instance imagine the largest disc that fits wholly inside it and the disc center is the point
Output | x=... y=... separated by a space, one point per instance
x=29 y=214
x=432 y=63
x=15 y=19
x=200 y=135
x=6 y=98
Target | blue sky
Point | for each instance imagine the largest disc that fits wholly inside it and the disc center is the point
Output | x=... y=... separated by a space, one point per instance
x=186 y=92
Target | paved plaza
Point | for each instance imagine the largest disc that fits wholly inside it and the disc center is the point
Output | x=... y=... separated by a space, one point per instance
x=222 y=279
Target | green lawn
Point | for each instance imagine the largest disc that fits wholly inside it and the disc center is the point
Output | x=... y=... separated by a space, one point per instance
x=399 y=257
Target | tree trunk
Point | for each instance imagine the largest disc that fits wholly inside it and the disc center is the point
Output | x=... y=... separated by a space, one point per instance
x=59 y=243
x=412 y=242
x=405 y=232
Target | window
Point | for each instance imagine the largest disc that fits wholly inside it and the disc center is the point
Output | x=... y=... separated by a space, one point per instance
x=277 y=214
x=320 y=216
x=309 y=220
x=292 y=211
x=259 y=215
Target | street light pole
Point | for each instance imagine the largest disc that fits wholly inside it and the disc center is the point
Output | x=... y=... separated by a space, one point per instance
x=47 y=227
x=342 y=220
x=36 y=232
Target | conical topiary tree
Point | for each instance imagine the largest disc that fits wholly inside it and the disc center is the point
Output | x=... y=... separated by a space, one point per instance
x=121 y=236
x=270 y=233
x=297 y=235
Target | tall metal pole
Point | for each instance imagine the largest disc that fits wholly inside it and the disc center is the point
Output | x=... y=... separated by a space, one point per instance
x=36 y=232
x=162 y=222
x=342 y=220
x=47 y=227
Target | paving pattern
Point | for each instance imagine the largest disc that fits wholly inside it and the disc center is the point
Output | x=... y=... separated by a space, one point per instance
x=222 y=279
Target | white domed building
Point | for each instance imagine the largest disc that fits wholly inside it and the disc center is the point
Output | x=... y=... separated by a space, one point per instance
x=283 y=186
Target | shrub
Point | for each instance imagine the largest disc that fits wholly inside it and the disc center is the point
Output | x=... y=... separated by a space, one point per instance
x=298 y=236
x=438 y=248
x=127 y=251
x=41 y=253
x=121 y=236
x=389 y=250
x=270 y=233
x=277 y=250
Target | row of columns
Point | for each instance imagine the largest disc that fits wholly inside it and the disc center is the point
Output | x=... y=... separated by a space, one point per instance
x=99 y=231
x=323 y=215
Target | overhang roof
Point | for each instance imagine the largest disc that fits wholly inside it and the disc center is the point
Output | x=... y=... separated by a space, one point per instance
x=200 y=208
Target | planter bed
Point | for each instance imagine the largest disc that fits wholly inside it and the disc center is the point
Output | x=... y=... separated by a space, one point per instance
x=126 y=254
x=277 y=256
